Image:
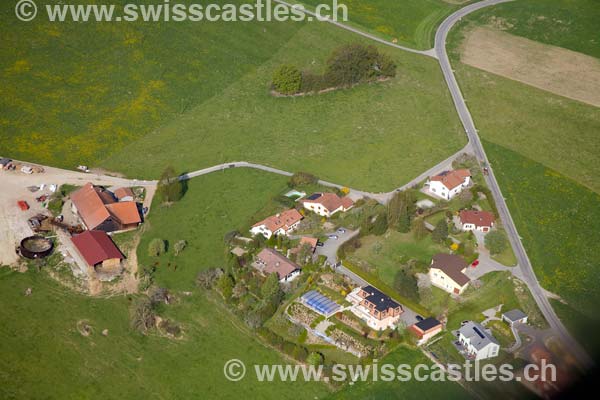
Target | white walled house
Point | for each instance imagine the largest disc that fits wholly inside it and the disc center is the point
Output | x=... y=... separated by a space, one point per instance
x=449 y=183
x=447 y=273
x=269 y=261
x=327 y=204
x=477 y=343
x=278 y=224
x=474 y=220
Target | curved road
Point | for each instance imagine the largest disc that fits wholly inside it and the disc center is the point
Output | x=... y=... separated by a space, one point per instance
x=515 y=240
x=439 y=52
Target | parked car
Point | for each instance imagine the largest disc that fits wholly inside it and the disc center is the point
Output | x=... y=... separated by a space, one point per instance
x=23 y=205
x=475 y=263
x=41 y=198
x=83 y=168
x=26 y=169
x=341 y=230
x=334 y=237
x=419 y=318
x=320 y=244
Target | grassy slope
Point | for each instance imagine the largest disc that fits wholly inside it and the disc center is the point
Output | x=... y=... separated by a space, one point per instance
x=544 y=152
x=71 y=93
x=403 y=390
x=411 y=22
x=572 y=24
x=390 y=251
x=44 y=356
x=134 y=97
x=559 y=221
x=373 y=137
x=213 y=205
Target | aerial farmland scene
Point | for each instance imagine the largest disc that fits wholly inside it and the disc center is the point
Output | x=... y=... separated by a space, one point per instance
x=299 y=199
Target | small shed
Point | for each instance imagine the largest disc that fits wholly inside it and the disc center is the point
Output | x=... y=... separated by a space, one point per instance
x=514 y=316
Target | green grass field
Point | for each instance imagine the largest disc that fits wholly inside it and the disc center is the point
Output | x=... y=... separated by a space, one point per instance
x=372 y=137
x=72 y=93
x=572 y=24
x=44 y=356
x=543 y=149
x=133 y=98
x=403 y=390
x=411 y=22
x=387 y=253
x=559 y=221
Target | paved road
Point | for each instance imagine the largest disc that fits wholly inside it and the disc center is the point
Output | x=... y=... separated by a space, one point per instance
x=515 y=240
x=331 y=246
x=429 y=53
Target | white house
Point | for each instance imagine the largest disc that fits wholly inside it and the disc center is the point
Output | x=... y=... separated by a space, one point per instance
x=327 y=204
x=482 y=221
x=447 y=273
x=378 y=310
x=269 y=261
x=476 y=342
x=278 y=224
x=449 y=183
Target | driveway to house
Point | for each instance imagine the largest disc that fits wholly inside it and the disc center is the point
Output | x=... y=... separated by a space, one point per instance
x=331 y=246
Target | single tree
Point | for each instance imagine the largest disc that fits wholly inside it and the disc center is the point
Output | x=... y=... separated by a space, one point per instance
x=170 y=188
x=156 y=247
x=496 y=242
x=287 y=79
x=440 y=233
x=315 y=358
x=419 y=230
x=271 y=291
x=179 y=246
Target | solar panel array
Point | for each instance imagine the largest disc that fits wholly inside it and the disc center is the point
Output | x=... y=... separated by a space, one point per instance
x=320 y=303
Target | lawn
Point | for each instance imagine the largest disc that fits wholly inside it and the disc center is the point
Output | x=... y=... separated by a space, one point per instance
x=526 y=119
x=72 y=93
x=213 y=205
x=497 y=288
x=373 y=137
x=411 y=22
x=40 y=345
x=552 y=194
x=412 y=389
x=135 y=97
x=559 y=221
x=572 y=24
x=388 y=252
x=45 y=356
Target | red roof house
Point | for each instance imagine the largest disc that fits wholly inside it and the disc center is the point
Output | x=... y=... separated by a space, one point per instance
x=476 y=220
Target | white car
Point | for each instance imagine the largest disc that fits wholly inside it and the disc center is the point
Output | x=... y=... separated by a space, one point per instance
x=26 y=169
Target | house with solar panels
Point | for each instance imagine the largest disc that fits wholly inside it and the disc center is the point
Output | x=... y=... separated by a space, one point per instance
x=378 y=310
x=476 y=342
x=320 y=303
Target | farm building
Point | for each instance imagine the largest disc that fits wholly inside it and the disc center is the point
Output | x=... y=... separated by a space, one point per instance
x=98 y=209
x=99 y=252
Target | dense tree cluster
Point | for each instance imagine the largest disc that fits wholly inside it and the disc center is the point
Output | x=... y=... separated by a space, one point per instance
x=348 y=65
